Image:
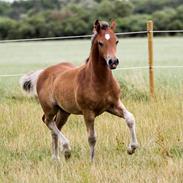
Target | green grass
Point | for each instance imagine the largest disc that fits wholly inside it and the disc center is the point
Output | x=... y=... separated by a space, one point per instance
x=25 y=140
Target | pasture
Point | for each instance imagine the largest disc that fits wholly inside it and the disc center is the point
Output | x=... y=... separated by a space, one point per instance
x=25 y=140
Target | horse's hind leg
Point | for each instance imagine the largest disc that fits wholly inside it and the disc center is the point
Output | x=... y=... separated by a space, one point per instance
x=56 y=134
x=55 y=146
x=61 y=119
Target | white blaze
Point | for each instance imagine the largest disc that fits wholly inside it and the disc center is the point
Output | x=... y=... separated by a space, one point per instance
x=107 y=36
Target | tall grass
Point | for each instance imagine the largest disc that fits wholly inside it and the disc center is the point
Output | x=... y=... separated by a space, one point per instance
x=25 y=145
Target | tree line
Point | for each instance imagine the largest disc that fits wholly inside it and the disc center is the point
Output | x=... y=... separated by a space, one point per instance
x=47 y=18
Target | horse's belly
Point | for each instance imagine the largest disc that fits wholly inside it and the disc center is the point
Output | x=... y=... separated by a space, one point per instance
x=65 y=96
x=68 y=105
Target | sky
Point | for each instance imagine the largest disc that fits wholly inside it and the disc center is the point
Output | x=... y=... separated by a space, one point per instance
x=8 y=0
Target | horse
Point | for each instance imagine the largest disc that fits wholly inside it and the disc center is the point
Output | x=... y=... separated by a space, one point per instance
x=87 y=90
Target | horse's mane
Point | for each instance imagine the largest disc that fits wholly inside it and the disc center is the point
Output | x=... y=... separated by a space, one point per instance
x=103 y=25
x=86 y=61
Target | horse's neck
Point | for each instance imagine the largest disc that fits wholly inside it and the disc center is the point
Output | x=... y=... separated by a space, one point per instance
x=98 y=67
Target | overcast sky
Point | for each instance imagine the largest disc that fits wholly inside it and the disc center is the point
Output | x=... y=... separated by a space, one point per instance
x=8 y=0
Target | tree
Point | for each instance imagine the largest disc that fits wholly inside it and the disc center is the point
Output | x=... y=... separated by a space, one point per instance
x=133 y=23
x=113 y=9
x=163 y=18
x=5 y=8
x=6 y=25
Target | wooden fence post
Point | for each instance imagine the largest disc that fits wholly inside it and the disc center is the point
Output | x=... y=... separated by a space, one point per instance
x=150 y=56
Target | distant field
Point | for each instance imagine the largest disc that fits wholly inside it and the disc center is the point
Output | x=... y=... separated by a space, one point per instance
x=25 y=57
x=25 y=140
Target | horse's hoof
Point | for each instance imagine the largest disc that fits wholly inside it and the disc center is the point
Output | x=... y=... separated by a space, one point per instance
x=131 y=148
x=67 y=154
x=67 y=151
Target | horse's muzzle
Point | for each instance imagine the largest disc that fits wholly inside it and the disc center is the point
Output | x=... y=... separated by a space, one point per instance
x=113 y=63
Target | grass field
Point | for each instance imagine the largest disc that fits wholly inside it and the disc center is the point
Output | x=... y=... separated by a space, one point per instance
x=25 y=140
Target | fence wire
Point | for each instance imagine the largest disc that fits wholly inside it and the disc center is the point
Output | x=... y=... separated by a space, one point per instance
x=121 y=68
x=86 y=36
x=89 y=36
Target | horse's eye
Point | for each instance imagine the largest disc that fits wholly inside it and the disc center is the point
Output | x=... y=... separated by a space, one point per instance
x=100 y=43
x=117 y=42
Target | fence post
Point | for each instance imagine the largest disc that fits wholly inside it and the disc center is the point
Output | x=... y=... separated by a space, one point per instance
x=150 y=56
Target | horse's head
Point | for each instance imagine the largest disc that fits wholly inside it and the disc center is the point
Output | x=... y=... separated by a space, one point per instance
x=107 y=42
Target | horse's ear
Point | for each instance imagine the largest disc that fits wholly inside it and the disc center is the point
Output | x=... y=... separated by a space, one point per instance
x=97 y=26
x=113 y=25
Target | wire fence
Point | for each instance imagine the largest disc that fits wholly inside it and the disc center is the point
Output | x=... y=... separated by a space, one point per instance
x=86 y=36
x=89 y=36
x=118 y=69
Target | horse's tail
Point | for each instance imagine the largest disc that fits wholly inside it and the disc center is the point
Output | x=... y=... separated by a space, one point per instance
x=28 y=82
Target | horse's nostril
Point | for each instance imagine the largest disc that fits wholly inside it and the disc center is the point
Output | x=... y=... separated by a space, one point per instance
x=117 y=61
x=110 y=61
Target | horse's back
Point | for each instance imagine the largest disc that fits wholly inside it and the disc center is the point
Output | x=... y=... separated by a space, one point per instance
x=52 y=72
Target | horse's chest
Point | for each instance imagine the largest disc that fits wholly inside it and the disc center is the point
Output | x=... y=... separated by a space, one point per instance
x=96 y=96
x=96 y=101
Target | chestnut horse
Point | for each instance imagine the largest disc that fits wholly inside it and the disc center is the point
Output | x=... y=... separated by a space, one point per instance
x=88 y=90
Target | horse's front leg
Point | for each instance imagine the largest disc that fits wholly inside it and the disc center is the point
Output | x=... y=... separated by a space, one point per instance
x=89 y=121
x=121 y=111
